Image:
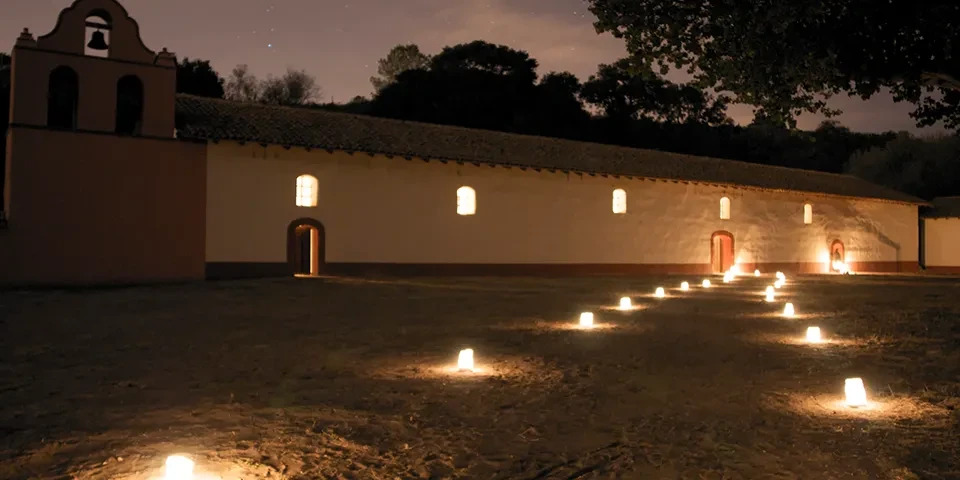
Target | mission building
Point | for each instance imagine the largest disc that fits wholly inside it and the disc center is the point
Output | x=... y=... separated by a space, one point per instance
x=112 y=177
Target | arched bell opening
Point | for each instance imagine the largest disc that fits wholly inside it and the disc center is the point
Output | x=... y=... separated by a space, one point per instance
x=99 y=24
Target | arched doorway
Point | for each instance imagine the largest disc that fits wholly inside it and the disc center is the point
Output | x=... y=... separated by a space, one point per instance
x=305 y=247
x=837 y=256
x=721 y=251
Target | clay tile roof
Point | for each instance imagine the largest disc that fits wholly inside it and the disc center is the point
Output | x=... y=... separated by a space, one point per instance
x=213 y=119
x=944 y=207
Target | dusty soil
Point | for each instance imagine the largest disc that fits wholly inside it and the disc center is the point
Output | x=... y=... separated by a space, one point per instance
x=353 y=378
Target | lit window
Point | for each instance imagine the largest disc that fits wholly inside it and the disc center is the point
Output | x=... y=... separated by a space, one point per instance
x=619 y=201
x=466 y=201
x=306 y=191
x=807 y=214
x=724 y=208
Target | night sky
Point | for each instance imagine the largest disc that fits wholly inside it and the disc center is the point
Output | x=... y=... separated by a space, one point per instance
x=340 y=42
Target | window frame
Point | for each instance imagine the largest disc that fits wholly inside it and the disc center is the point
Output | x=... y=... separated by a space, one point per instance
x=619 y=206
x=312 y=185
x=726 y=208
x=466 y=195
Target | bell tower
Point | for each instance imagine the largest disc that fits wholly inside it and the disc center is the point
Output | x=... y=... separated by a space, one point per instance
x=93 y=73
x=97 y=188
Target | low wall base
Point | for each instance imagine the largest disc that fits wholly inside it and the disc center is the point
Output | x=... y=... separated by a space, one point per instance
x=238 y=270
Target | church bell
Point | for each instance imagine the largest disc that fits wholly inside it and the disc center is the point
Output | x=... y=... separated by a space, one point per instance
x=97 y=42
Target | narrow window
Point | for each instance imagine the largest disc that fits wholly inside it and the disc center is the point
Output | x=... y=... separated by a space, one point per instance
x=807 y=214
x=466 y=201
x=619 y=201
x=724 y=208
x=63 y=90
x=129 y=105
x=306 y=191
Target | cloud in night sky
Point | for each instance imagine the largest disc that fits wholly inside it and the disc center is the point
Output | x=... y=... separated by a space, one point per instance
x=340 y=42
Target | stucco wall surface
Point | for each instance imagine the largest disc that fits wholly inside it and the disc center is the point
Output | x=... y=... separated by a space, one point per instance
x=942 y=242
x=391 y=210
x=88 y=208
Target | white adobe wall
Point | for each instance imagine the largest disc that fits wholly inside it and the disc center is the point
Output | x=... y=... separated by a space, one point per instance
x=942 y=242
x=376 y=209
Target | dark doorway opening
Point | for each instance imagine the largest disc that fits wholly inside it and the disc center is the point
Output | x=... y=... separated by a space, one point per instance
x=305 y=247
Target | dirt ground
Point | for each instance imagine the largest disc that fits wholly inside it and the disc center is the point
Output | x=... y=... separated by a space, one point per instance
x=354 y=379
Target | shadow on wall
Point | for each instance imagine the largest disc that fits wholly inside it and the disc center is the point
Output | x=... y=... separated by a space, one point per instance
x=869 y=227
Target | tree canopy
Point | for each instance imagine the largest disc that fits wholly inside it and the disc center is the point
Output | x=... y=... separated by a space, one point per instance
x=476 y=84
x=295 y=87
x=628 y=89
x=484 y=57
x=400 y=59
x=786 y=56
x=197 y=77
x=925 y=167
x=242 y=86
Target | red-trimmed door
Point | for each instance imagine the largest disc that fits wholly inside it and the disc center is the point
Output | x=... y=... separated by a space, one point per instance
x=837 y=254
x=721 y=251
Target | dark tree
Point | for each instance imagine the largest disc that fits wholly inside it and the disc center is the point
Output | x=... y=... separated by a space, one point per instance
x=477 y=85
x=400 y=59
x=927 y=168
x=785 y=56
x=197 y=77
x=358 y=105
x=629 y=90
x=556 y=109
x=480 y=56
x=243 y=86
x=294 y=88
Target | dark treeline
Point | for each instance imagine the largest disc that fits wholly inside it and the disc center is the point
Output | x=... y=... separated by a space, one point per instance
x=494 y=87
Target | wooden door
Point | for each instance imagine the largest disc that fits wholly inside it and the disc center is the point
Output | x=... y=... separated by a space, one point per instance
x=303 y=252
x=721 y=252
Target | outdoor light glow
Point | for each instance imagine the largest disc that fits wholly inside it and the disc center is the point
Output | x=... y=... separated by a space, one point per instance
x=706 y=283
x=178 y=468
x=841 y=267
x=856 y=395
x=813 y=334
x=781 y=276
x=735 y=270
x=465 y=360
x=778 y=284
x=727 y=277
x=788 y=310
x=586 y=320
x=769 y=297
x=756 y=273
x=660 y=293
x=625 y=303
x=684 y=286
x=769 y=290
